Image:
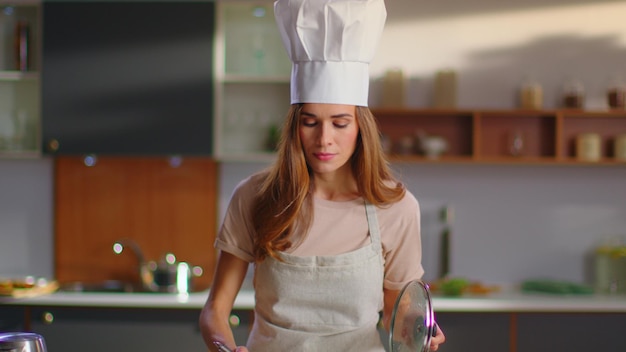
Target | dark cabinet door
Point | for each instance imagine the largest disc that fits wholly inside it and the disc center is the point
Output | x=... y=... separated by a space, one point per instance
x=127 y=77
x=105 y=329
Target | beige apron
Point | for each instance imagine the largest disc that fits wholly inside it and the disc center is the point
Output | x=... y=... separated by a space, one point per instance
x=320 y=303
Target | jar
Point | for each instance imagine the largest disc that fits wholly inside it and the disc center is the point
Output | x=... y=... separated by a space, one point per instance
x=445 y=92
x=603 y=273
x=618 y=261
x=616 y=94
x=610 y=267
x=588 y=147
x=531 y=95
x=573 y=95
x=394 y=88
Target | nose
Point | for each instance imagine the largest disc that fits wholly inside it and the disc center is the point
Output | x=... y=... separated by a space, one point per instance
x=324 y=136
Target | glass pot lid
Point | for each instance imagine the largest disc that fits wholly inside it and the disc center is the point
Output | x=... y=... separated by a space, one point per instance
x=412 y=320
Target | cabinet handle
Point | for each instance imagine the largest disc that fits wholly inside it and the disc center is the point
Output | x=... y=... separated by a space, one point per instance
x=53 y=145
x=47 y=318
x=234 y=320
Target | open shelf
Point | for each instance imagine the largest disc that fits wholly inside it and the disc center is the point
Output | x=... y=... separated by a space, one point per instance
x=487 y=136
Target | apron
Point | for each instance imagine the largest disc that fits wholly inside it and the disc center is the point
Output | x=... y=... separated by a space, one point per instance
x=320 y=303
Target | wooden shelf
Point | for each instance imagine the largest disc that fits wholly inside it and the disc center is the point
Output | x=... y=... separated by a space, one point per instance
x=486 y=136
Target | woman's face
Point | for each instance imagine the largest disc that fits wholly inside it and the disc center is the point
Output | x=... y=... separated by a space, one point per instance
x=328 y=133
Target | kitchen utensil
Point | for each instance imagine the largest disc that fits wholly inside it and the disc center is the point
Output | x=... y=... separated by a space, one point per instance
x=22 y=342
x=221 y=347
x=412 y=321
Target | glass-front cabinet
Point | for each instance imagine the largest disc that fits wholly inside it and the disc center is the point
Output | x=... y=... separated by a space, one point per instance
x=20 y=64
x=252 y=73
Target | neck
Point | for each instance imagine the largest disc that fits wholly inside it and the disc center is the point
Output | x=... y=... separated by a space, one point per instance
x=335 y=186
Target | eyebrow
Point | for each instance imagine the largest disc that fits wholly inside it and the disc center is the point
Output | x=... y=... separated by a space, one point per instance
x=308 y=114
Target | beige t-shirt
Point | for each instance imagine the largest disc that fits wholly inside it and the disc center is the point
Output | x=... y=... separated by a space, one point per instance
x=337 y=227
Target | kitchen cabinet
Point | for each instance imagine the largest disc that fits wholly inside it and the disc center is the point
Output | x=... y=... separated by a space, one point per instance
x=533 y=331
x=128 y=77
x=252 y=72
x=543 y=332
x=507 y=136
x=103 y=329
x=20 y=64
x=75 y=329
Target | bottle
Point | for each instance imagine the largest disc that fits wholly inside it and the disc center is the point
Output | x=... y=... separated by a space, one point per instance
x=22 y=45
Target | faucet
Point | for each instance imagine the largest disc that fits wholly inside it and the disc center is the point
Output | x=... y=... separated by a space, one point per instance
x=146 y=276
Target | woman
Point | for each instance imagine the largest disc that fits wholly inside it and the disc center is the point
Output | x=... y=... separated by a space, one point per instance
x=332 y=233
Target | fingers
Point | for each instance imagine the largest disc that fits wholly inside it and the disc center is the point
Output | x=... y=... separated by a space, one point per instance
x=437 y=340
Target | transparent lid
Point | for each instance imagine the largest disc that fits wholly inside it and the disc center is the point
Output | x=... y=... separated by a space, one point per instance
x=412 y=320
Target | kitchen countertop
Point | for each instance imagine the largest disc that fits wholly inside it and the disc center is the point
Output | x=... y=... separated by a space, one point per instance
x=494 y=302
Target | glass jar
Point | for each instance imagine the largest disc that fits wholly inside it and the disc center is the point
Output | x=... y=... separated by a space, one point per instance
x=531 y=95
x=610 y=268
x=616 y=94
x=573 y=94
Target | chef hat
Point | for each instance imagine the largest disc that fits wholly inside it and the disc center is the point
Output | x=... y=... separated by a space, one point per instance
x=330 y=43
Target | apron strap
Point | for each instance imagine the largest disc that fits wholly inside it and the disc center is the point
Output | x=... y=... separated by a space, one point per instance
x=372 y=223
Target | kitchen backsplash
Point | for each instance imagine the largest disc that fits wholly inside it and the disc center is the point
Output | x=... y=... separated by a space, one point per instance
x=511 y=222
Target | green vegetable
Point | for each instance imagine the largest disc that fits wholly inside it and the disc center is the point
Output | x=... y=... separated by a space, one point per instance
x=555 y=287
x=454 y=286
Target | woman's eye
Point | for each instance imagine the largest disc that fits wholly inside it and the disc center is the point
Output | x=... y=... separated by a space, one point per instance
x=341 y=124
x=309 y=122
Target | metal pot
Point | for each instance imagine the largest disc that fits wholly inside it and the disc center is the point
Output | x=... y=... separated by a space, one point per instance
x=21 y=342
x=166 y=275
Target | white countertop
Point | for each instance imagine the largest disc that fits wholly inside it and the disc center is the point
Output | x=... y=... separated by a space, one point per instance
x=496 y=302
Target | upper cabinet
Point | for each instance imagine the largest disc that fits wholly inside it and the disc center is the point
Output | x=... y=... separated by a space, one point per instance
x=20 y=63
x=128 y=77
x=252 y=71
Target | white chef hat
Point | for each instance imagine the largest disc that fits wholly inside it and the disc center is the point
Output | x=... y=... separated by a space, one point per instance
x=330 y=43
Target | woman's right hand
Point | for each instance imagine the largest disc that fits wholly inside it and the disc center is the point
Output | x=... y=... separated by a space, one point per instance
x=214 y=325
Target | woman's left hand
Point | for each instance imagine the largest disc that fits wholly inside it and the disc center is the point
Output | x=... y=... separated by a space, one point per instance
x=437 y=340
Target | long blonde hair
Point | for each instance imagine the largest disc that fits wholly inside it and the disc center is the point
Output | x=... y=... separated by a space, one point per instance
x=283 y=202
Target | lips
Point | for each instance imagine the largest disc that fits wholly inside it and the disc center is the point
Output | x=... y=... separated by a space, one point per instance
x=324 y=156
